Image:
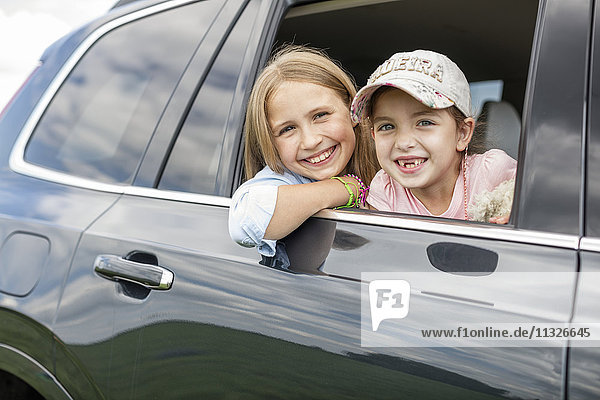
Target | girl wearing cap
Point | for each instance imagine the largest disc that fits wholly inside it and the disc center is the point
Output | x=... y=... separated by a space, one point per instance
x=418 y=106
x=298 y=135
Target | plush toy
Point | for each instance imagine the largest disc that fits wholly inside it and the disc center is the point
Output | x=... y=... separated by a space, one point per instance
x=495 y=203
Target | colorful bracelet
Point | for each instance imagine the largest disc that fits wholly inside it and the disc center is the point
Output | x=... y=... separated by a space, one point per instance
x=362 y=192
x=352 y=200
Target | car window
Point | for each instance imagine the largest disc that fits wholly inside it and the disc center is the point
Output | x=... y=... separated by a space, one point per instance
x=593 y=147
x=495 y=60
x=194 y=161
x=101 y=119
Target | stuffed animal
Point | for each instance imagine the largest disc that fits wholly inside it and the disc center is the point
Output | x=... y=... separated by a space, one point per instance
x=495 y=203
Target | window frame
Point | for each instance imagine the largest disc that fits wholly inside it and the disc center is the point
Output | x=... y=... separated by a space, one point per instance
x=553 y=17
x=508 y=233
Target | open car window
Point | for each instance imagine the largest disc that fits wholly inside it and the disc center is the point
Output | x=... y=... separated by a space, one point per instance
x=362 y=34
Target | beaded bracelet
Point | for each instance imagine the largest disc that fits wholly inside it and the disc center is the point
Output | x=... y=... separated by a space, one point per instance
x=352 y=201
x=362 y=192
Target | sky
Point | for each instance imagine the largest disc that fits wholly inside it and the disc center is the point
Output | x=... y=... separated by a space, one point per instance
x=27 y=27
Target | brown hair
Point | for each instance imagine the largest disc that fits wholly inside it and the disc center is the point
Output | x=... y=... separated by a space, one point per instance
x=299 y=64
x=476 y=145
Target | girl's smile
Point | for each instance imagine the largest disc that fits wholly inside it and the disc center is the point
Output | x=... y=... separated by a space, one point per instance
x=410 y=164
x=311 y=129
x=322 y=157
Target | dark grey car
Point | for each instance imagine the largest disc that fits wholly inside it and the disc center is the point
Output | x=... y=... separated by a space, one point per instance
x=119 y=155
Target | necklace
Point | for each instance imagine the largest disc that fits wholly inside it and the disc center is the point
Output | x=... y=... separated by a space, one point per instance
x=464 y=171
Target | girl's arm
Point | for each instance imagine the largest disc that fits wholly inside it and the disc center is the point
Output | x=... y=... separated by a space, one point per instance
x=296 y=203
x=258 y=205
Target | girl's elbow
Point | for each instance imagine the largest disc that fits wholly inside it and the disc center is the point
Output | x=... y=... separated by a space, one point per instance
x=240 y=236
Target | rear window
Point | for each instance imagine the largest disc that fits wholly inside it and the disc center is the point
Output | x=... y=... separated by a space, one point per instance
x=100 y=121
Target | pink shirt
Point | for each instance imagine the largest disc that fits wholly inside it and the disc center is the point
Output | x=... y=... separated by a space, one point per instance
x=484 y=172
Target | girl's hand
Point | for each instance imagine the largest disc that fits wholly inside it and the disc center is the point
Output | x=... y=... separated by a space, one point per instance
x=502 y=220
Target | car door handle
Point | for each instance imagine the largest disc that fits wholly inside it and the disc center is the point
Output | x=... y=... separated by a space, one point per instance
x=117 y=268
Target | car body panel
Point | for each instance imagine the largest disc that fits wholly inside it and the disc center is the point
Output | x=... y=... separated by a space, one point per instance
x=218 y=292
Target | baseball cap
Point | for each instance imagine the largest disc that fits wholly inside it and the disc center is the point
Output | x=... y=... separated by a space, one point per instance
x=430 y=77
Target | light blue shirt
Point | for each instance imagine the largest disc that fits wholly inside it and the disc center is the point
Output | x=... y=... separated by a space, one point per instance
x=253 y=205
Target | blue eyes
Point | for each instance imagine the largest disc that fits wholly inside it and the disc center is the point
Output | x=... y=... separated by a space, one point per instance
x=388 y=127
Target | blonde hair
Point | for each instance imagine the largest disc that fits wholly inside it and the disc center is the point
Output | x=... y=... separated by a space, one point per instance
x=299 y=64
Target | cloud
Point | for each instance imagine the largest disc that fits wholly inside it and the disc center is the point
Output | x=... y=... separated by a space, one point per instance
x=72 y=12
x=20 y=38
x=27 y=27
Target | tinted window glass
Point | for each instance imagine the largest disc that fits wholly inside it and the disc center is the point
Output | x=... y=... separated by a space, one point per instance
x=100 y=121
x=593 y=145
x=194 y=161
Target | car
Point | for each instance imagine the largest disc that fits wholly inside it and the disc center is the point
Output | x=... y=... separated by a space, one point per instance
x=119 y=156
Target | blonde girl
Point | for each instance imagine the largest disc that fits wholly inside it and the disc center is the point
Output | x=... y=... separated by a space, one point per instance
x=298 y=135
